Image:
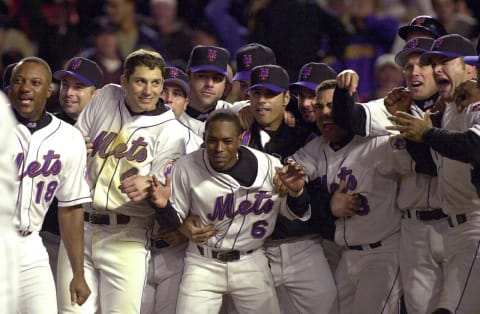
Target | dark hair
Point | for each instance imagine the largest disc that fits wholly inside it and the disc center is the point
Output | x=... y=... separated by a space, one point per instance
x=224 y=115
x=34 y=60
x=148 y=58
x=328 y=84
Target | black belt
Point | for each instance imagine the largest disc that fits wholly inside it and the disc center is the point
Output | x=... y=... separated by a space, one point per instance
x=424 y=215
x=361 y=248
x=461 y=218
x=159 y=243
x=103 y=219
x=225 y=256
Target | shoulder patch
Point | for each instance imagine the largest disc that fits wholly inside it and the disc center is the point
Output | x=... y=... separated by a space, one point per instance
x=398 y=143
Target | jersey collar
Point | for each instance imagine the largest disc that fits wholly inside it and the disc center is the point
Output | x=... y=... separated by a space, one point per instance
x=33 y=126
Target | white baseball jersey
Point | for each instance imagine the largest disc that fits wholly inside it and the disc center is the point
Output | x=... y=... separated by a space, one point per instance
x=126 y=144
x=455 y=188
x=50 y=162
x=243 y=216
x=197 y=126
x=369 y=167
x=9 y=241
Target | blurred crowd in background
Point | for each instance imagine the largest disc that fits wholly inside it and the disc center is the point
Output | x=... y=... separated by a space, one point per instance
x=356 y=34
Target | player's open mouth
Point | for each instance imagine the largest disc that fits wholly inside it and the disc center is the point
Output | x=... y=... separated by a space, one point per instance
x=416 y=84
x=263 y=110
x=443 y=82
x=25 y=101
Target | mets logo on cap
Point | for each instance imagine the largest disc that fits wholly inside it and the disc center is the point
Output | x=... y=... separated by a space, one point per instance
x=413 y=43
x=247 y=60
x=438 y=42
x=420 y=21
x=212 y=55
x=173 y=72
x=263 y=75
x=306 y=72
x=76 y=64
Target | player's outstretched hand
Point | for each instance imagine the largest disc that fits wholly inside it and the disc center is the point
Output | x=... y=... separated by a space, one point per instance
x=88 y=143
x=79 y=290
x=409 y=126
x=160 y=193
x=136 y=187
x=198 y=235
x=292 y=177
x=246 y=117
x=173 y=237
x=280 y=188
x=466 y=93
x=398 y=99
x=343 y=204
x=348 y=79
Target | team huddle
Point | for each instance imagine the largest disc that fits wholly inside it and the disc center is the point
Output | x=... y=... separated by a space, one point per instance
x=164 y=198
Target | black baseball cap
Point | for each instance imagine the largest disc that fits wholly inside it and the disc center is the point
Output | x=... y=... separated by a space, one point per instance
x=424 y=23
x=314 y=73
x=177 y=76
x=83 y=69
x=208 y=58
x=251 y=55
x=7 y=75
x=473 y=60
x=272 y=77
x=452 y=46
x=419 y=44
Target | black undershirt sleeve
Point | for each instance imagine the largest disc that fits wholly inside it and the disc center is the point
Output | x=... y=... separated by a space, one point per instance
x=420 y=152
x=166 y=217
x=348 y=114
x=460 y=146
x=299 y=205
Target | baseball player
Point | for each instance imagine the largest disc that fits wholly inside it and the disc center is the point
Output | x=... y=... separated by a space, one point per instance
x=368 y=169
x=8 y=243
x=422 y=252
x=294 y=250
x=243 y=205
x=455 y=148
x=78 y=82
x=207 y=73
x=50 y=157
x=134 y=136
x=168 y=248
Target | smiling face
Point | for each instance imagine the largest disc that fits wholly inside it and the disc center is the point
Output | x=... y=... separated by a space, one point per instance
x=30 y=88
x=268 y=107
x=449 y=73
x=222 y=140
x=143 y=88
x=419 y=79
x=206 y=88
x=323 y=113
x=74 y=95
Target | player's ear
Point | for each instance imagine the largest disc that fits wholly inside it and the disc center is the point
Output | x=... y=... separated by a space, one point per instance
x=123 y=81
x=50 y=90
x=286 y=98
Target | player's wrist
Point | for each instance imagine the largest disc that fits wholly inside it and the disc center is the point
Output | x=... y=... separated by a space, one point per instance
x=295 y=194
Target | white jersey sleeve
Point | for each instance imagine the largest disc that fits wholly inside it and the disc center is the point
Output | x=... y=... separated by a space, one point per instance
x=7 y=165
x=376 y=118
x=308 y=156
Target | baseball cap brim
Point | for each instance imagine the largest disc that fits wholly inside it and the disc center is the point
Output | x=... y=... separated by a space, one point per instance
x=309 y=85
x=472 y=60
x=242 y=76
x=208 y=68
x=405 y=30
x=400 y=57
x=426 y=58
x=183 y=85
x=59 y=75
x=273 y=88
